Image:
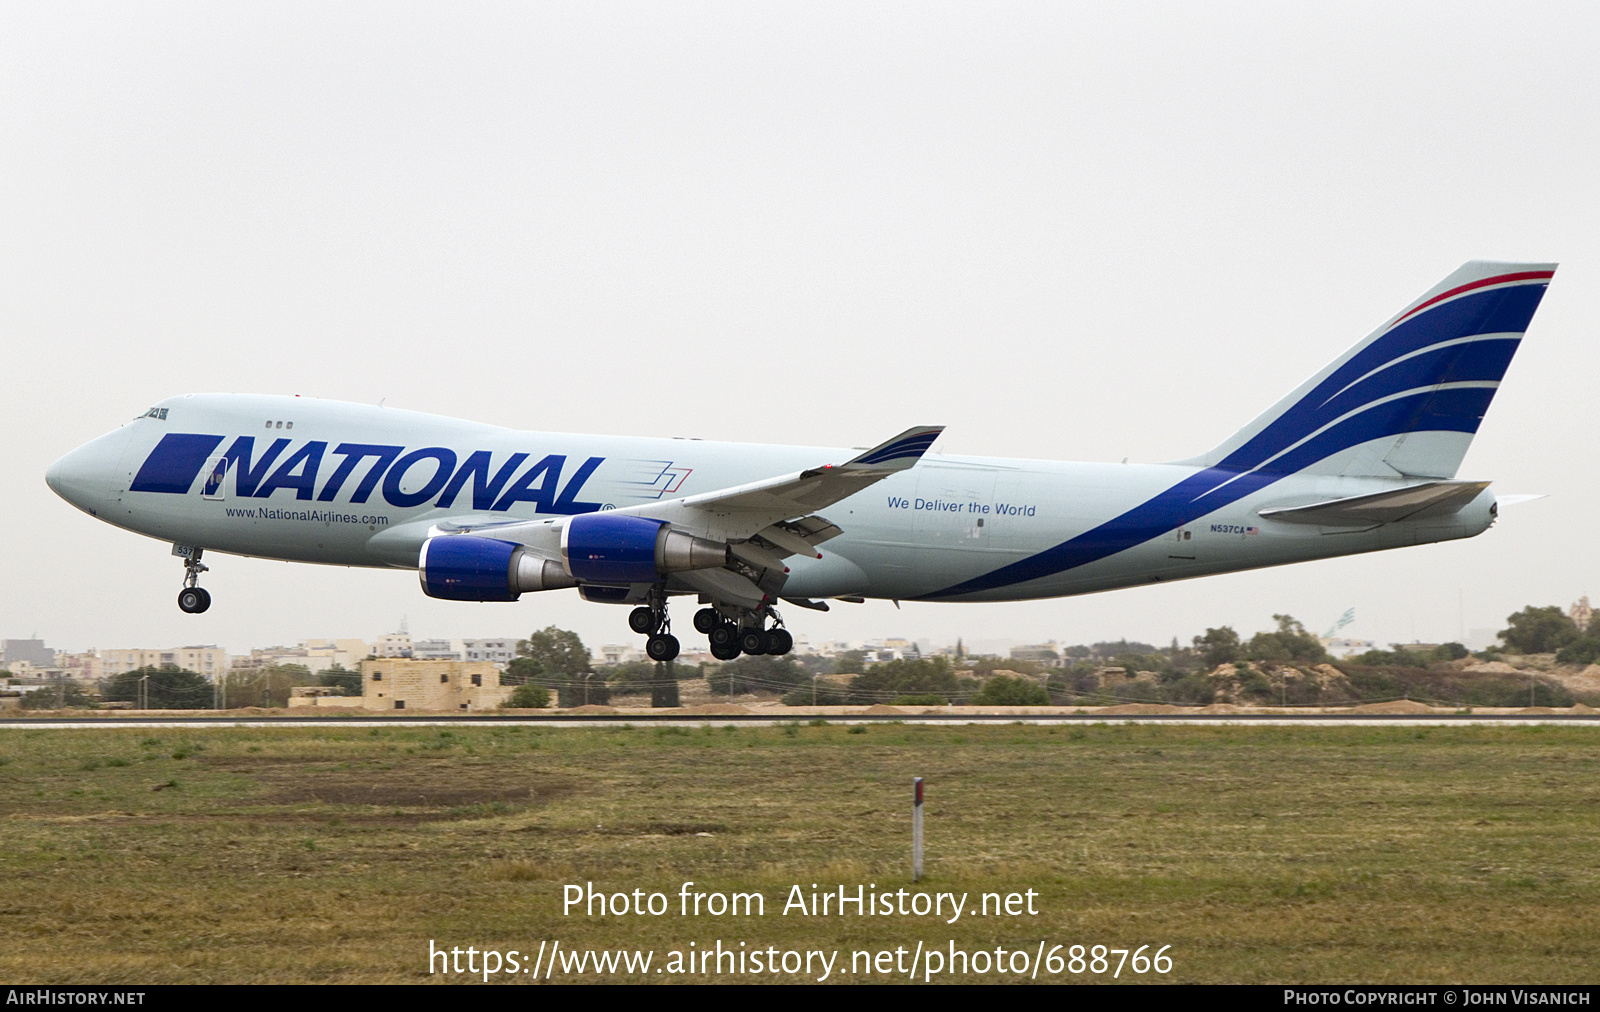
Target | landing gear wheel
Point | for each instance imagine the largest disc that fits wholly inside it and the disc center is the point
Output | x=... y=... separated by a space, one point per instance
x=726 y=652
x=706 y=619
x=779 y=641
x=193 y=600
x=661 y=647
x=643 y=620
x=724 y=635
x=753 y=641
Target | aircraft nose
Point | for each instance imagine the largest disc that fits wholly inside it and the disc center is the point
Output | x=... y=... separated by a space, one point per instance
x=53 y=475
x=84 y=476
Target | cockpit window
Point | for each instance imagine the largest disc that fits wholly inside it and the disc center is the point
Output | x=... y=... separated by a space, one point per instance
x=160 y=413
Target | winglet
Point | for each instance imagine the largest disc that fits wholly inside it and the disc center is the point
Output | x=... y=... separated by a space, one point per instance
x=899 y=453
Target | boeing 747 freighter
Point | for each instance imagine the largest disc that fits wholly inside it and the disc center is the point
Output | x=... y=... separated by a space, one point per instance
x=1361 y=457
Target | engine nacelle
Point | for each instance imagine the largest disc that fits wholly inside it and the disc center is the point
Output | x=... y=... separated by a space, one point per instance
x=462 y=567
x=615 y=549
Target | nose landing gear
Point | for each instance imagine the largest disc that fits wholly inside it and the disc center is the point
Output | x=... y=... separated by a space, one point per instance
x=193 y=598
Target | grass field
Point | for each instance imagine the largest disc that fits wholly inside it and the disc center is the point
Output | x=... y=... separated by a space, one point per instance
x=1257 y=854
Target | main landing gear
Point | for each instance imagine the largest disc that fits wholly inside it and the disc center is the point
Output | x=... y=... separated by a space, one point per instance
x=193 y=598
x=745 y=633
x=651 y=620
x=732 y=631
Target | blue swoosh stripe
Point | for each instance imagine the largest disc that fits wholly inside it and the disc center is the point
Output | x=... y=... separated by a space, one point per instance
x=1216 y=487
x=923 y=440
x=174 y=463
x=1455 y=410
x=885 y=458
x=1499 y=311
x=1483 y=360
x=915 y=446
x=1267 y=457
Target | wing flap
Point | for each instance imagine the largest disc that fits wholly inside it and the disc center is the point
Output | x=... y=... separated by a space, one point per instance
x=800 y=537
x=724 y=585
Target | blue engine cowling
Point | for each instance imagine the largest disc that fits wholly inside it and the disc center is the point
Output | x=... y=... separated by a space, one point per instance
x=611 y=548
x=596 y=548
x=460 y=567
x=614 y=548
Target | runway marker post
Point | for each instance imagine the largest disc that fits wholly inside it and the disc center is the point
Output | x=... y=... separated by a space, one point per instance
x=916 y=829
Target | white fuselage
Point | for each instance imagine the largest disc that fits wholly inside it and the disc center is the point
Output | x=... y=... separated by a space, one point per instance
x=922 y=533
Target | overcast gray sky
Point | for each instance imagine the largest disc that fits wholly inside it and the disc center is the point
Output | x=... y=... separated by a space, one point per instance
x=1066 y=231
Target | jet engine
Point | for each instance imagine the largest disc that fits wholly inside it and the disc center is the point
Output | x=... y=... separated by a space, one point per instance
x=613 y=548
x=596 y=548
x=461 y=567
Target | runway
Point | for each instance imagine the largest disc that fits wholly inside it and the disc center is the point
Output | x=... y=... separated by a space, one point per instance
x=764 y=720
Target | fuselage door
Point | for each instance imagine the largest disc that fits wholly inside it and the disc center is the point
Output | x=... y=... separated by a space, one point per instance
x=952 y=505
x=215 y=487
x=1181 y=544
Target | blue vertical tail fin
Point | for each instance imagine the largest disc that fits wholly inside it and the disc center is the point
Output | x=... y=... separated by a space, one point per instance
x=1407 y=400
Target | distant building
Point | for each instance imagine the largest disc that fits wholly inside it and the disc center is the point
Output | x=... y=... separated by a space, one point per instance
x=273 y=656
x=1580 y=613
x=1041 y=653
x=316 y=656
x=24 y=672
x=618 y=653
x=32 y=651
x=497 y=651
x=346 y=653
x=406 y=684
x=1340 y=646
x=393 y=645
x=436 y=650
x=84 y=667
x=894 y=649
x=323 y=695
x=209 y=660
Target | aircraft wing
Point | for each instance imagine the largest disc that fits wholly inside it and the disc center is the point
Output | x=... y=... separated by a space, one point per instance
x=780 y=509
x=1434 y=498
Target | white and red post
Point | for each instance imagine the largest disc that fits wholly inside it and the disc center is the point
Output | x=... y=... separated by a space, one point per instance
x=916 y=829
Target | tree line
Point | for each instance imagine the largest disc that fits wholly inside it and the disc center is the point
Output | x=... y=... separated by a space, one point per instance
x=170 y=687
x=1285 y=665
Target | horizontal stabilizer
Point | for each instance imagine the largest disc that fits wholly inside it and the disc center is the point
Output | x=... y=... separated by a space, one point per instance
x=1435 y=498
x=1516 y=499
